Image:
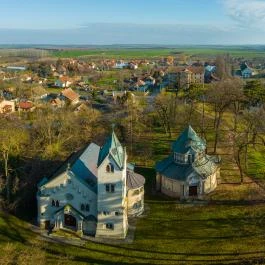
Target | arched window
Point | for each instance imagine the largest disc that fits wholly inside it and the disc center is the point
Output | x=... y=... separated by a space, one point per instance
x=82 y=207
x=87 y=207
x=57 y=203
x=110 y=168
x=53 y=203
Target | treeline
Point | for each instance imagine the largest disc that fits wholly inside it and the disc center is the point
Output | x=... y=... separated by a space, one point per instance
x=27 y=53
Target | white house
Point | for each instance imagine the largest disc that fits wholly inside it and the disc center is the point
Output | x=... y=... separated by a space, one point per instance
x=89 y=192
x=247 y=72
x=121 y=65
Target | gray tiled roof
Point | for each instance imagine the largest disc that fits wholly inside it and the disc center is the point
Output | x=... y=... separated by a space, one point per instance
x=134 y=180
x=85 y=166
x=82 y=164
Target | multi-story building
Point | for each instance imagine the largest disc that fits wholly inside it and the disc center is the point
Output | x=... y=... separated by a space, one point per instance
x=89 y=193
x=190 y=75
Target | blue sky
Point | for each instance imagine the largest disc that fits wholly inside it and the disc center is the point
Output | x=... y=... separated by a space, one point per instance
x=132 y=22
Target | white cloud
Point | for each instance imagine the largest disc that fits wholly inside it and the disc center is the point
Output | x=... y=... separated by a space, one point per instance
x=247 y=13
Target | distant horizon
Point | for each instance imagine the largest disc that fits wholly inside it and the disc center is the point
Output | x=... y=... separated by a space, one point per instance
x=126 y=46
x=114 y=22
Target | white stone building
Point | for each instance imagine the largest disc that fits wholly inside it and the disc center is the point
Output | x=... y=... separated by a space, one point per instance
x=89 y=192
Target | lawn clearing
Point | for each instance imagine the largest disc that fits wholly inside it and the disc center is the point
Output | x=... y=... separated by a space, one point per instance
x=171 y=233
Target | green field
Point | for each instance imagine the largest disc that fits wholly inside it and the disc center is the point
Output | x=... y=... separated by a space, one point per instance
x=146 y=53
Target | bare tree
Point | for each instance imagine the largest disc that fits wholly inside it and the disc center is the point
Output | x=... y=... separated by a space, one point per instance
x=12 y=137
x=163 y=107
x=251 y=133
x=221 y=95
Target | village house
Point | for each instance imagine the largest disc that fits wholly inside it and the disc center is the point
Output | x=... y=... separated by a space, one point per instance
x=81 y=107
x=25 y=106
x=121 y=65
x=63 y=82
x=210 y=74
x=90 y=192
x=69 y=95
x=7 y=106
x=246 y=71
x=57 y=103
x=190 y=75
x=133 y=66
x=188 y=171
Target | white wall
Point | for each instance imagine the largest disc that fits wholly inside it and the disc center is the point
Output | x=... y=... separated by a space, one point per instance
x=135 y=198
x=172 y=188
x=57 y=189
x=211 y=183
x=112 y=202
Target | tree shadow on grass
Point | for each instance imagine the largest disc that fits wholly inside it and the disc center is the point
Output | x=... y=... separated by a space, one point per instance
x=12 y=232
x=138 y=258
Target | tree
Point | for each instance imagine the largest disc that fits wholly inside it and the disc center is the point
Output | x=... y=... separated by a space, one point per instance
x=223 y=66
x=164 y=106
x=194 y=93
x=12 y=138
x=238 y=100
x=44 y=70
x=250 y=134
x=255 y=92
x=220 y=96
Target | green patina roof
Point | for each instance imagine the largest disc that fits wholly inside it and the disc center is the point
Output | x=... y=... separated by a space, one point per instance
x=188 y=141
x=170 y=169
x=204 y=167
x=114 y=148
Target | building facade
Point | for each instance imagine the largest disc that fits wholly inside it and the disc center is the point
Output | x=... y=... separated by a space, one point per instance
x=188 y=171
x=190 y=75
x=89 y=192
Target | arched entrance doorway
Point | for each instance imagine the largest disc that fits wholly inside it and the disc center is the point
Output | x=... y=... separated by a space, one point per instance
x=69 y=220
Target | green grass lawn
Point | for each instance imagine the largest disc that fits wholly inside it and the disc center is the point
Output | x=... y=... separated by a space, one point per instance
x=256 y=163
x=170 y=233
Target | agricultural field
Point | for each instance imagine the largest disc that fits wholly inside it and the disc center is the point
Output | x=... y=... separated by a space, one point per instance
x=133 y=53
